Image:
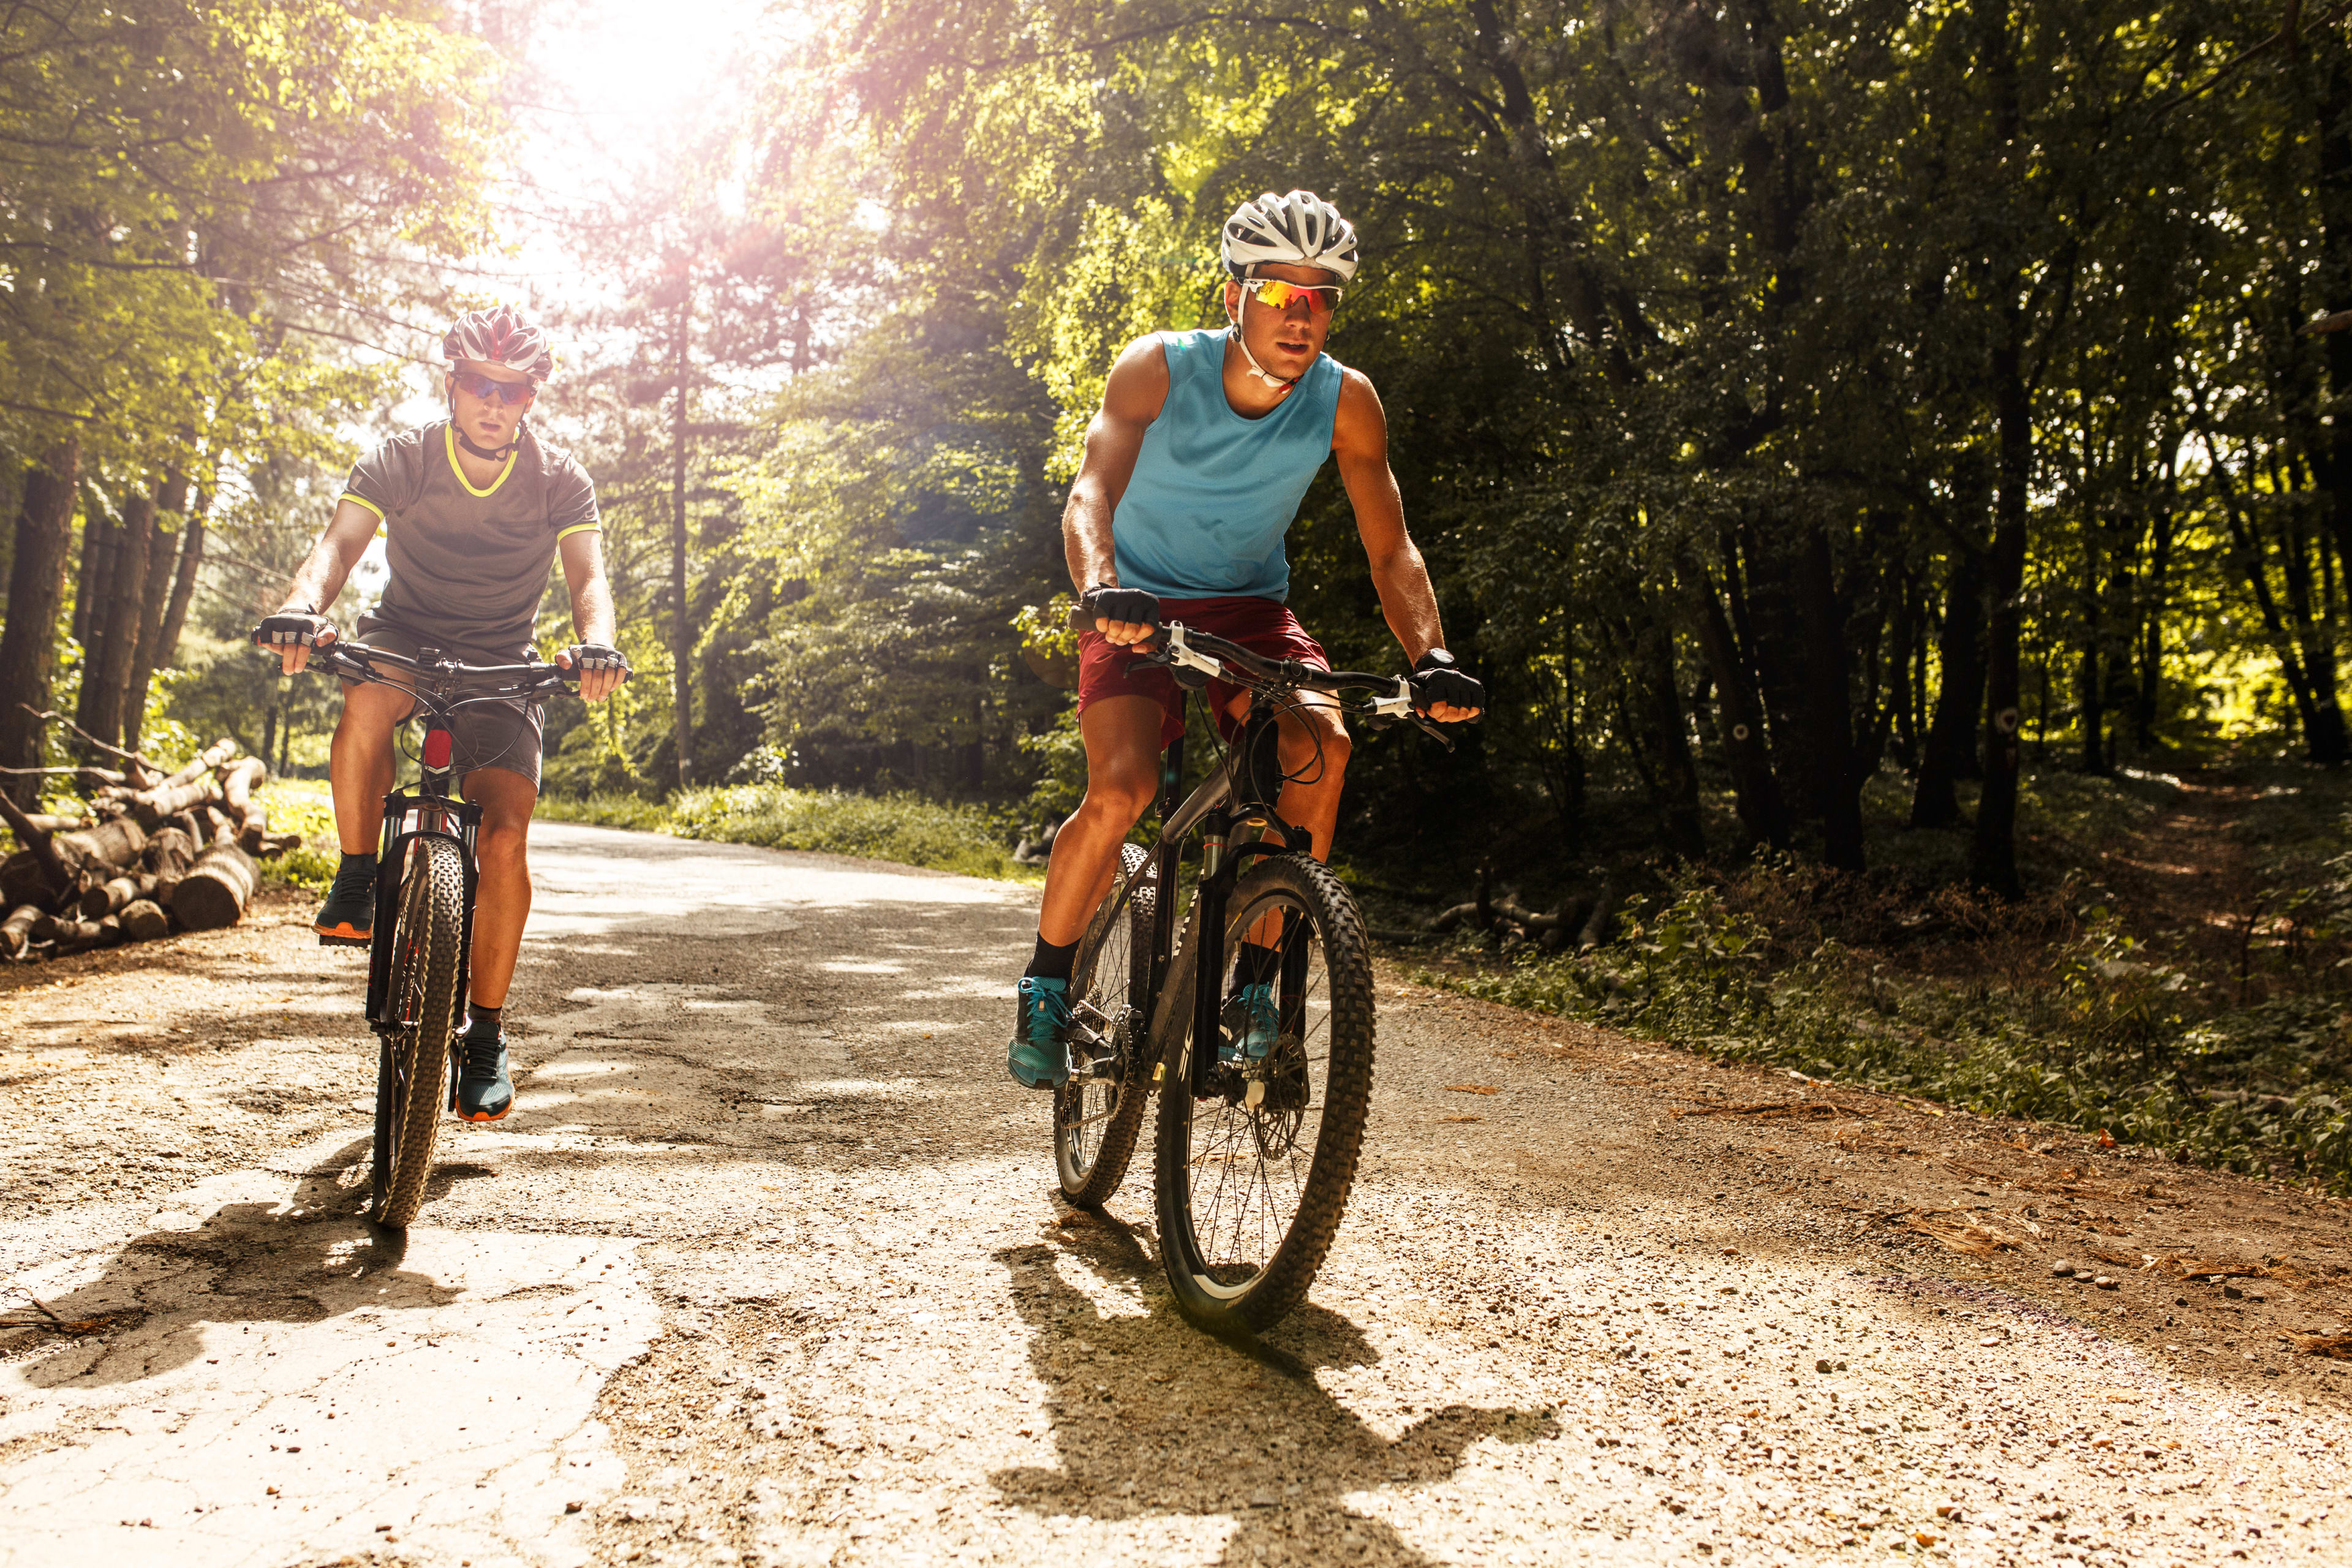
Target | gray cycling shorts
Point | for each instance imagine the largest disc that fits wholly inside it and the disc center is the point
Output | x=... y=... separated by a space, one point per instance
x=482 y=734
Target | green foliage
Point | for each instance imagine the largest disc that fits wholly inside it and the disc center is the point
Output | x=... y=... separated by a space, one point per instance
x=2094 y=1032
x=307 y=809
x=903 y=827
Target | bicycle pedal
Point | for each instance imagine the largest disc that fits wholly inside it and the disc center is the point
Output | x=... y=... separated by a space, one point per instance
x=326 y=940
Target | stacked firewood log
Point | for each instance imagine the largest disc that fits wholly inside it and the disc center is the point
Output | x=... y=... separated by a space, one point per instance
x=159 y=852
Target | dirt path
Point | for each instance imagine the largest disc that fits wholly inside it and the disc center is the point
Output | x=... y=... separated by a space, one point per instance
x=765 y=1268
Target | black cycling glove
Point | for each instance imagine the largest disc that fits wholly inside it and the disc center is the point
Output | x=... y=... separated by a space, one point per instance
x=1435 y=681
x=290 y=627
x=1121 y=604
x=587 y=656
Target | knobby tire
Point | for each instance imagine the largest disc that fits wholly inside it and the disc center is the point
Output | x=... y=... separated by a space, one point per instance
x=1228 y=1293
x=422 y=1003
x=1095 y=1120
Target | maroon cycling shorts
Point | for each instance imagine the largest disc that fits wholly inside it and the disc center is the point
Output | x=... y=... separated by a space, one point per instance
x=1262 y=626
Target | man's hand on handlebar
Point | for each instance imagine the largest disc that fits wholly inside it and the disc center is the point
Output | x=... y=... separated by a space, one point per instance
x=602 y=669
x=1124 y=615
x=291 y=634
x=1443 y=692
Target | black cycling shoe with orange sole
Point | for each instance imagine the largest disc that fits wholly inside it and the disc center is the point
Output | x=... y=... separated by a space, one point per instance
x=348 y=913
x=481 y=1091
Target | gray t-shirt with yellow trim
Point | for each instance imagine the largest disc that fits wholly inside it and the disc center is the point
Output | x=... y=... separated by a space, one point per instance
x=468 y=565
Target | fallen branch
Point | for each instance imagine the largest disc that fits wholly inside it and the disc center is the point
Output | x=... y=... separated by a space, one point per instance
x=38 y=841
x=1793 y=1109
x=135 y=764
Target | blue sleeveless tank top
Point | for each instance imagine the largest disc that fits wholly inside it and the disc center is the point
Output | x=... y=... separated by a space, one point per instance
x=1213 y=493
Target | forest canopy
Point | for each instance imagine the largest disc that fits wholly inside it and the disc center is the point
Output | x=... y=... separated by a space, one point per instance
x=1807 y=411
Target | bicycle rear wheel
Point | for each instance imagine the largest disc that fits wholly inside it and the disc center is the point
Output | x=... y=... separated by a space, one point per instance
x=1098 y=1112
x=420 y=1015
x=1253 y=1177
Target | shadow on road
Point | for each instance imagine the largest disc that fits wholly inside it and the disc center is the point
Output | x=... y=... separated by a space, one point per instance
x=246 y=1263
x=1154 y=1418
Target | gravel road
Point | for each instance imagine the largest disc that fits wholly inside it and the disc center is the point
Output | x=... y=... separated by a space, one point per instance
x=766 y=1268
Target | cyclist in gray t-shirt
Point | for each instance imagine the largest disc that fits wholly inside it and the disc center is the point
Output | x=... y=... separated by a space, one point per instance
x=474 y=510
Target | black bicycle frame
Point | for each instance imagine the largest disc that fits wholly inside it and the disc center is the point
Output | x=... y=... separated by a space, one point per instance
x=1252 y=773
x=435 y=811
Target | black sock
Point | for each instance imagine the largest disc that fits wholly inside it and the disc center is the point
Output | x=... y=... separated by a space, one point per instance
x=1256 y=965
x=365 y=864
x=481 y=1022
x=1051 y=961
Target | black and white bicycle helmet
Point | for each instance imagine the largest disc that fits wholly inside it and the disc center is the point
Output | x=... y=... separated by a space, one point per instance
x=502 y=336
x=1300 y=229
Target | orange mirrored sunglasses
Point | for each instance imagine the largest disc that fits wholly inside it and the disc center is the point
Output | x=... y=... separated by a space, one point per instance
x=1275 y=294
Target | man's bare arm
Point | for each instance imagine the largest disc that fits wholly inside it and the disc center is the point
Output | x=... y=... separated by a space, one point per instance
x=592 y=608
x=1360 y=439
x=324 y=571
x=1131 y=401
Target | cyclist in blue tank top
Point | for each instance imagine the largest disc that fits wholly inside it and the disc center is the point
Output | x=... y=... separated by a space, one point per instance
x=1194 y=469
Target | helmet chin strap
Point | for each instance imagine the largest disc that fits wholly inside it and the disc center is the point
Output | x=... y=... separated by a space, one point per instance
x=486 y=454
x=1255 y=369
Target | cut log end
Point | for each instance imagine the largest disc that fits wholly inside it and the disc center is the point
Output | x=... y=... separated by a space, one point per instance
x=215 y=889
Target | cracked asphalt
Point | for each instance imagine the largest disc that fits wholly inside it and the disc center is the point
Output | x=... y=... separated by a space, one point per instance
x=766 y=1268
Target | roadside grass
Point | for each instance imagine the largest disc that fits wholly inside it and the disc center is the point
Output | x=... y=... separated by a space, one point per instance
x=306 y=807
x=903 y=828
x=2052 y=1008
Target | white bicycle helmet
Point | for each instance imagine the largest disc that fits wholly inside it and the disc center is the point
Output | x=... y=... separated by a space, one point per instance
x=1301 y=229
x=501 y=336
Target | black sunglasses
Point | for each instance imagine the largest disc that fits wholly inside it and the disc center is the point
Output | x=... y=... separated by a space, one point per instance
x=510 y=393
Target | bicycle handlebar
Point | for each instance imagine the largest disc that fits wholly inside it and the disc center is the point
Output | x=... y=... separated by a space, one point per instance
x=1206 y=649
x=443 y=678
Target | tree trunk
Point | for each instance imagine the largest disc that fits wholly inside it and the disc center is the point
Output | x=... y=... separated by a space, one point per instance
x=1901 y=699
x=2092 y=676
x=126 y=591
x=1674 y=777
x=101 y=536
x=2156 y=592
x=1762 y=813
x=36 y=585
x=1828 y=705
x=681 y=635
x=2333 y=284
x=183 y=586
x=154 y=600
x=1952 y=750
x=1992 y=856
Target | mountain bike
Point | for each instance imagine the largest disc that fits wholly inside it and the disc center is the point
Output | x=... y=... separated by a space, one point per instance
x=423 y=938
x=1253 y=1158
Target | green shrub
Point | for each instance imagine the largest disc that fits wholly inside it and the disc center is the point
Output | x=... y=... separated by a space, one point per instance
x=308 y=809
x=607 y=810
x=902 y=827
x=2089 y=1031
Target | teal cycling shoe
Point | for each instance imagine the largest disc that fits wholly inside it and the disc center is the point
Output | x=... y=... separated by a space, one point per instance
x=1252 y=1025
x=483 y=1092
x=1040 y=1054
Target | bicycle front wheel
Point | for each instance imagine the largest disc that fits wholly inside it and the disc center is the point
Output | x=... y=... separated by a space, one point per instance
x=1098 y=1112
x=421 y=1006
x=1255 y=1157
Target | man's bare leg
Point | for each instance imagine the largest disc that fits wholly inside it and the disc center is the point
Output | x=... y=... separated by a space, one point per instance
x=502 y=892
x=501 y=905
x=360 y=762
x=1312 y=802
x=1122 y=738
